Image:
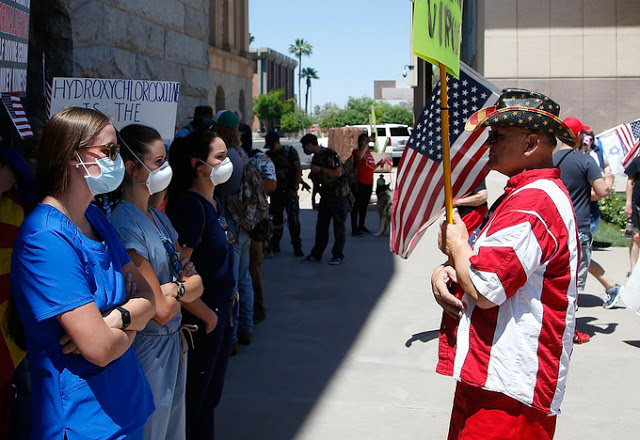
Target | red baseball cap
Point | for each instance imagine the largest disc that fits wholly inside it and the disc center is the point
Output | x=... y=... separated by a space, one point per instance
x=575 y=125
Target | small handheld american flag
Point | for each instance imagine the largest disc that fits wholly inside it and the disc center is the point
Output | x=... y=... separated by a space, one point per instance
x=14 y=107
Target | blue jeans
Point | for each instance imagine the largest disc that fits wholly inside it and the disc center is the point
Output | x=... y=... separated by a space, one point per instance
x=244 y=286
x=336 y=209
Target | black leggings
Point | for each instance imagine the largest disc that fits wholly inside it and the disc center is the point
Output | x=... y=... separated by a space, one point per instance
x=363 y=196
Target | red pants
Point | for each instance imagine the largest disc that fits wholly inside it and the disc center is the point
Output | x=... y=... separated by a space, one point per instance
x=481 y=414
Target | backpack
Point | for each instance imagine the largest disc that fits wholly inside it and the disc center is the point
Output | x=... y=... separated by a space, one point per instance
x=249 y=206
x=285 y=169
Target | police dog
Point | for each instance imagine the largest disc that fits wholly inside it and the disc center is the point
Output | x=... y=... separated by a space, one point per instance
x=383 y=192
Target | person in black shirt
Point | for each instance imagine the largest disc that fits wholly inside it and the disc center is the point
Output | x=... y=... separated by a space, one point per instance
x=285 y=197
x=632 y=209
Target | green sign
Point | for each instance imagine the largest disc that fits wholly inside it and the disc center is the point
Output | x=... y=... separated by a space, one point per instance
x=437 y=30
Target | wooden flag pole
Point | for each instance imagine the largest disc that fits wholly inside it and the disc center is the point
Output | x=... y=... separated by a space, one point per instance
x=446 y=157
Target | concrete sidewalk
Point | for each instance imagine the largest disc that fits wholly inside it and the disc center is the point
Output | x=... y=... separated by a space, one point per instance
x=349 y=352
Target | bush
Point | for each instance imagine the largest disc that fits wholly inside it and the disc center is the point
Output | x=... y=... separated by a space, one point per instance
x=612 y=208
x=293 y=122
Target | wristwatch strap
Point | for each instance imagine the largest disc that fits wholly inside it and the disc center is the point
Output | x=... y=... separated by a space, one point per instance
x=126 y=317
x=181 y=290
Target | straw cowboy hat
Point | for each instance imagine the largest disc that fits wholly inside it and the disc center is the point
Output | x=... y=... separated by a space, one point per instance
x=526 y=109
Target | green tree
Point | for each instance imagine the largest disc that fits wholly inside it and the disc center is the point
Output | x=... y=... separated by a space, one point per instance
x=326 y=115
x=396 y=115
x=350 y=116
x=309 y=73
x=270 y=107
x=294 y=121
x=300 y=47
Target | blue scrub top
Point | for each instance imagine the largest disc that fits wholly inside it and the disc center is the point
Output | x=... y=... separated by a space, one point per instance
x=54 y=269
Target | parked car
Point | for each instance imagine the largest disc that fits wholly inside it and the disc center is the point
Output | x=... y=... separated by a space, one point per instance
x=391 y=138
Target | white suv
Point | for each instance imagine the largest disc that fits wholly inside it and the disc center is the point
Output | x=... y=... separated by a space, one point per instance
x=391 y=138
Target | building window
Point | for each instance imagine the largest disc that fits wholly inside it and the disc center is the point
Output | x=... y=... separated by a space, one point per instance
x=241 y=105
x=220 y=101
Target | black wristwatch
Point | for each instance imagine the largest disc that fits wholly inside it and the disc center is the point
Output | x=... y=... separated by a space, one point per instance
x=181 y=290
x=126 y=317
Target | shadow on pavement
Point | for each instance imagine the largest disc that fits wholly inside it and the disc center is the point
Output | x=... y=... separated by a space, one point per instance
x=423 y=337
x=588 y=300
x=314 y=315
x=584 y=325
x=635 y=344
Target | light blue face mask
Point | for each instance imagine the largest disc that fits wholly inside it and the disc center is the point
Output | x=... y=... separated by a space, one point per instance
x=110 y=177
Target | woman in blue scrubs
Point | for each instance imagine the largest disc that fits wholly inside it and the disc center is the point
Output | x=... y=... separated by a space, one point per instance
x=152 y=244
x=80 y=298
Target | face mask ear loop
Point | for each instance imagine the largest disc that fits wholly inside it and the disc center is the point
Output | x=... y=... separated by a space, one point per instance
x=134 y=154
x=84 y=166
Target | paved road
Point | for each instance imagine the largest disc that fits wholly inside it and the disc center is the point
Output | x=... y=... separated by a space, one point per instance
x=349 y=352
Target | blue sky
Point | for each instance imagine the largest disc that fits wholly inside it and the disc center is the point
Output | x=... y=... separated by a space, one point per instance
x=354 y=41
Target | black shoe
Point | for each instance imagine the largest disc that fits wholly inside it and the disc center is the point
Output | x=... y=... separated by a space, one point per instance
x=259 y=317
x=234 y=348
x=335 y=261
x=298 y=252
x=364 y=230
x=356 y=233
x=244 y=338
x=310 y=259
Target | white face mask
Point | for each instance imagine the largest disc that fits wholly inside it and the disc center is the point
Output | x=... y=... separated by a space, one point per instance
x=221 y=172
x=158 y=179
x=110 y=177
x=588 y=141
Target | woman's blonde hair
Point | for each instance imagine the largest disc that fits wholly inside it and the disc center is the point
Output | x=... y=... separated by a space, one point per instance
x=67 y=131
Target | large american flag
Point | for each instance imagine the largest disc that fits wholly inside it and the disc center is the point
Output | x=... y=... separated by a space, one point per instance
x=419 y=196
x=16 y=112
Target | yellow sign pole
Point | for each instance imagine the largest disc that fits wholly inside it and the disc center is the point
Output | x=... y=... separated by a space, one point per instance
x=446 y=159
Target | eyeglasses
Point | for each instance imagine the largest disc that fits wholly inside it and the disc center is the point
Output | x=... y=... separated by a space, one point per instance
x=114 y=149
x=225 y=227
x=494 y=136
x=173 y=256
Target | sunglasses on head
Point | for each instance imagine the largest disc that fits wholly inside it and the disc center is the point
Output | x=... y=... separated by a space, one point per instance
x=173 y=256
x=225 y=227
x=114 y=149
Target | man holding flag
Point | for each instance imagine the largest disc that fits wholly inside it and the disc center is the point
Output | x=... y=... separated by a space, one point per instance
x=507 y=336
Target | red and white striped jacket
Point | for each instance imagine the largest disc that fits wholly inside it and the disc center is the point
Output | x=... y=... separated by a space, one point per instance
x=525 y=261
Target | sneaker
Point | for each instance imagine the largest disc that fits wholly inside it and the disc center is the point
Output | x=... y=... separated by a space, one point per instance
x=335 y=261
x=356 y=233
x=580 y=338
x=310 y=259
x=613 y=295
x=364 y=230
x=298 y=252
x=234 y=348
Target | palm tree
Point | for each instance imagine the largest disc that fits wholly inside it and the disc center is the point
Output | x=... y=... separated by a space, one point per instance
x=298 y=48
x=309 y=73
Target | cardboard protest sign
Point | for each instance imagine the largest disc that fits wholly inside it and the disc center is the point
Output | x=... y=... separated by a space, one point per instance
x=437 y=31
x=343 y=140
x=125 y=101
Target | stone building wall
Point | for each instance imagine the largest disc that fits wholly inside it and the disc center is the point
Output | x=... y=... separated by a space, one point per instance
x=164 y=40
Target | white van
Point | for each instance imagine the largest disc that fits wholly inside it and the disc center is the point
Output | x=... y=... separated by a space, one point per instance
x=391 y=138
